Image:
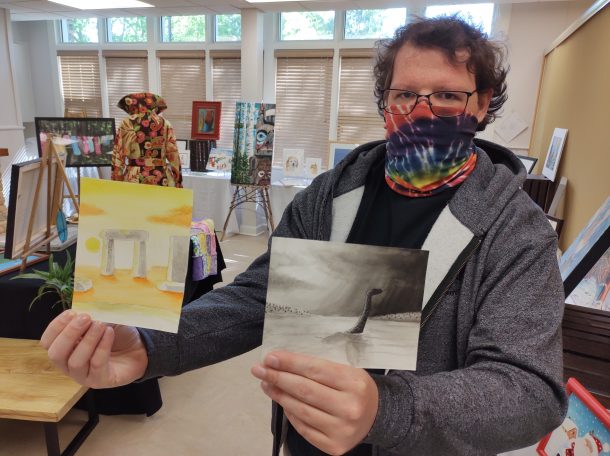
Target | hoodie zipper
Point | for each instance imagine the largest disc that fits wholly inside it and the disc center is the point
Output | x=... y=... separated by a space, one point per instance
x=473 y=247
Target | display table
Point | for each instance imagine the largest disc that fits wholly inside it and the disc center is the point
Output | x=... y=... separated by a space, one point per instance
x=212 y=194
x=34 y=390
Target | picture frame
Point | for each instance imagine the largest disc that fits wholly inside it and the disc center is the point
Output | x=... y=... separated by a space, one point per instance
x=24 y=177
x=587 y=425
x=338 y=151
x=590 y=244
x=553 y=156
x=528 y=162
x=7 y=266
x=206 y=120
x=292 y=161
x=85 y=141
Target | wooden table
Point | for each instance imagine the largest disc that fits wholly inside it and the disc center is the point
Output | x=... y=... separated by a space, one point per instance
x=32 y=389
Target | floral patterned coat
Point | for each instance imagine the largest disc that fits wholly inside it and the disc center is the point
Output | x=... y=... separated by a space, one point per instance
x=145 y=148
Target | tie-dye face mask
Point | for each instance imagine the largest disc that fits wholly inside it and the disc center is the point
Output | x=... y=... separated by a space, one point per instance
x=427 y=154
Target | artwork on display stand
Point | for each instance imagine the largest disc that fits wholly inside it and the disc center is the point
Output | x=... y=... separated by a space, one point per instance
x=313 y=167
x=528 y=162
x=83 y=142
x=325 y=301
x=24 y=178
x=206 y=120
x=594 y=289
x=588 y=247
x=132 y=257
x=253 y=144
x=7 y=266
x=293 y=162
x=585 y=429
x=220 y=160
x=338 y=151
x=551 y=164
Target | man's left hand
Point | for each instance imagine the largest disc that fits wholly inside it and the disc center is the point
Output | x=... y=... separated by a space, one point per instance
x=333 y=406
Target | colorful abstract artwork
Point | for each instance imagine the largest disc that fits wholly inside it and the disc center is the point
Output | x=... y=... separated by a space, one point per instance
x=132 y=253
x=83 y=142
x=253 y=144
x=205 y=123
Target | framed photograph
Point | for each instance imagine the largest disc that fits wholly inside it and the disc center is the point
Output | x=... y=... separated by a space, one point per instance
x=313 y=167
x=593 y=290
x=83 y=142
x=585 y=430
x=556 y=223
x=7 y=266
x=338 y=151
x=528 y=162
x=24 y=177
x=553 y=156
x=206 y=120
x=588 y=247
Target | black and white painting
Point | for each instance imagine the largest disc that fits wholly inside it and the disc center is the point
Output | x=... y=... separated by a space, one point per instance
x=354 y=304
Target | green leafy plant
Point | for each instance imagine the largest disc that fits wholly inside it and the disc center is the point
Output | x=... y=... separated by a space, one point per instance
x=59 y=280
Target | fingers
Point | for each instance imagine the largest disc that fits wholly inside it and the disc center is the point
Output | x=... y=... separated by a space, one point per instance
x=316 y=369
x=302 y=388
x=79 y=360
x=312 y=435
x=64 y=343
x=56 y=327
x=100 y=360
x=314 y=417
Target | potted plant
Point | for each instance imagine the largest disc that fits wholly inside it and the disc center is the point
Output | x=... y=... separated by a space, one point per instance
x=59 y=280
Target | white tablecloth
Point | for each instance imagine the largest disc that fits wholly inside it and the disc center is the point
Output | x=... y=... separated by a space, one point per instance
x=212 y=193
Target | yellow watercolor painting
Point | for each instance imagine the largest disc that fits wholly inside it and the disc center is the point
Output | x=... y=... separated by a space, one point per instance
x=132 y=253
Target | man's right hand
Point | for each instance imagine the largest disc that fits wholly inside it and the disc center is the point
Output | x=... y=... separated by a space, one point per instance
x=95 y=354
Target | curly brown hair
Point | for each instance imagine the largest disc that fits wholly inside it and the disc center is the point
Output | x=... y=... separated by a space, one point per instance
x=448 y=34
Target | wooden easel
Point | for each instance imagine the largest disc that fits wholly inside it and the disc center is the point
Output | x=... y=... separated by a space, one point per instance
x=49 y=157
x=251 y=194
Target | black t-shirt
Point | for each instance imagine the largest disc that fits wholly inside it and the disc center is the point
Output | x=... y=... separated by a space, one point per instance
x=388 y=219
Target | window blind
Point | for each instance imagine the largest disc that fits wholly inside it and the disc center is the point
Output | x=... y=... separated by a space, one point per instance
x=226 y=80
x=303 y=94
x=182 y=82
x=359 y=121
x=124 y=75
x=80 y=82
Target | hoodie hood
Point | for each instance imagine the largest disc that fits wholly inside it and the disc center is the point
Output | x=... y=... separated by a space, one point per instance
x=141 y=103
x=478 y=202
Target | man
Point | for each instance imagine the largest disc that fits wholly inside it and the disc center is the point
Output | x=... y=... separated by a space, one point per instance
x=489 y=364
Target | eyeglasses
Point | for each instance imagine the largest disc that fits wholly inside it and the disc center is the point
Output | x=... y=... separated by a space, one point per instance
x=445 y=103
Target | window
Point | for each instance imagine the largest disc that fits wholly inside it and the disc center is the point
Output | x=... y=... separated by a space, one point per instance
x=303 y=94
x=228 y=27
x=226 y=80
x=182 y=81
x=183 y=28
x=126 y=72
x=127 y=29
x=373 y=23
x=79 y=30
x=309 y=25
x=80 y=83
x=479 y=14
x=359 y=121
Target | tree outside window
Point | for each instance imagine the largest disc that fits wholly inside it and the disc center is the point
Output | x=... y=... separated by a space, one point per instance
x=127 y=29
x=373 y=23
x=79 y=30
x=478 y=14
x=183 y=28
x=228 y=27
x=309 y=25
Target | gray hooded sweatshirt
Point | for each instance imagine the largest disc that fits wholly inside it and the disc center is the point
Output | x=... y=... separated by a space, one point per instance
x=489 y=364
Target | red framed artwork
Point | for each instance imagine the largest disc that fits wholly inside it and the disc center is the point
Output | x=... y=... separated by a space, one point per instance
x=206 y=120
x=585 y=430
